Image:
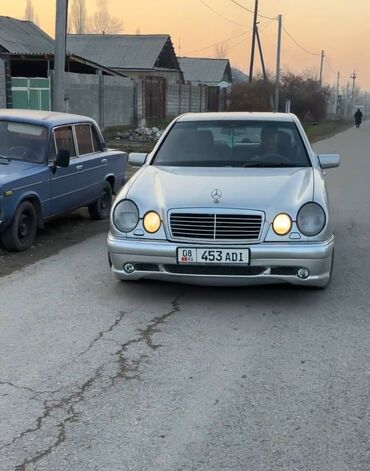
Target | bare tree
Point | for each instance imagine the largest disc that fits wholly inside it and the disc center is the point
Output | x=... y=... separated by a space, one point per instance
x=221 y=51
x=103 y=22
x=29 y=13
x=78 y=19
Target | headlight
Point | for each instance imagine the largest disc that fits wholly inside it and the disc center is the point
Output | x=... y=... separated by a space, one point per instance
x=311 y=219
x=282 y=224
x=126 y=216
x=152 y=222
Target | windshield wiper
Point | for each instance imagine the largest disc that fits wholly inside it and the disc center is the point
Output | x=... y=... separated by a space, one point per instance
x=269 y=164
x=4 y=158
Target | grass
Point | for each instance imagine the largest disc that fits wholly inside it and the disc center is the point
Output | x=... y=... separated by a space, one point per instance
x=319 y=131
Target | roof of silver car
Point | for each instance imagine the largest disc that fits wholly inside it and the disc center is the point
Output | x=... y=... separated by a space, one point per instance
x=43 y=118
x=237 y=116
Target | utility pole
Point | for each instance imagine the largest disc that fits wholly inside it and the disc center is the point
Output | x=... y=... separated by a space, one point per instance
x=255 y=16
x=347 y=100
x=321 y=66
x=60 y=54
x=336 y=95
x=353 y=77
x=277 y=77
x=261 y=54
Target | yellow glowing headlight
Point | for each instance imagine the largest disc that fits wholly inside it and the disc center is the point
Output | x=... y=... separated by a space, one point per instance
x=152 y=222
x=282 y=224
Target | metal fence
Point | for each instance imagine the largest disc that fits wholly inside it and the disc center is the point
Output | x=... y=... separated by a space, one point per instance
x=31 y=93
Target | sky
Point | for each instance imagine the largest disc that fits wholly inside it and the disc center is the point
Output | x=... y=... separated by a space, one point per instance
x=339 y=27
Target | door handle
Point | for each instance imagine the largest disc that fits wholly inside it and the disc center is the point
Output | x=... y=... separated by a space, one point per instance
x=104 y=161
x=79 y=167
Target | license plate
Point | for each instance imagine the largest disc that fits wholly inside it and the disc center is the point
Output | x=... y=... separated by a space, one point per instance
x=196 y=255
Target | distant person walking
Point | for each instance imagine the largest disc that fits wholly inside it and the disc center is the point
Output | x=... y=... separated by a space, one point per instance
x=358 y=118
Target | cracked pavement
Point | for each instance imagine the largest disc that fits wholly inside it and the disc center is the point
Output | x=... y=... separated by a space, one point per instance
x=96 y=374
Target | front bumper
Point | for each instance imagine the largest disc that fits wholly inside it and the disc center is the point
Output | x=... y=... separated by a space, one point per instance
x=269 y=263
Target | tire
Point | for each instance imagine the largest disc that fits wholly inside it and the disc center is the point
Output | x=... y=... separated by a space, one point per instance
x=101 y=208
x=20 y=235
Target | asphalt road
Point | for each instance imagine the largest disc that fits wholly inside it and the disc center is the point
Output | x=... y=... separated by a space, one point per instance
x=100 y=375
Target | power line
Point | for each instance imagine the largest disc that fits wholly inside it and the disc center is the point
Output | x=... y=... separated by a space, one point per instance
x=264 y=25
x=219 y=42
x=297 y=43
x=220 y=14
x=328 y=63
x=251 y=11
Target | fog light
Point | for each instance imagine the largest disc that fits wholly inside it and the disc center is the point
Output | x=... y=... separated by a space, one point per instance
x=129 y=268
x=303 y=273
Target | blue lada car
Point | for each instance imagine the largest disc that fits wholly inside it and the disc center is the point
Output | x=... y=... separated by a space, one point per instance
x=52 y=163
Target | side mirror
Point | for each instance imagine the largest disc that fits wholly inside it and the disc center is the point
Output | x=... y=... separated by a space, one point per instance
x=62 y=158
x=329 y=160
x=137 y=159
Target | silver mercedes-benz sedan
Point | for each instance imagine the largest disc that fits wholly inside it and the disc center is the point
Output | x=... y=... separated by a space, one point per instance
x=226 y=199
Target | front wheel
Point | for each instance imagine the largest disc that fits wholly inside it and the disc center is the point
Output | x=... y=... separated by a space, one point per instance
x=102 y=206
x=21 y=233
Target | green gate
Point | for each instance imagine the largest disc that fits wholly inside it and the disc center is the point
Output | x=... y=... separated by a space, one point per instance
x=31 y=93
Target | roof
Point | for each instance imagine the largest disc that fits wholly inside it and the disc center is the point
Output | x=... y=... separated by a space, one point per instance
x=124 y=51
x=237 y=116
x=18 y=36
x=238 y=75
x=205 y=70
x=42 y=118
x=69 y=57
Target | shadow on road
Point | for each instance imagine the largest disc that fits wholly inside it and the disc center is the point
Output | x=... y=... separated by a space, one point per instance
x=57 y=235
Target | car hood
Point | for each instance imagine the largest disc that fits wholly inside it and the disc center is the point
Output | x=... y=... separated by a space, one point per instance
x=271 y=190
x=16 y=169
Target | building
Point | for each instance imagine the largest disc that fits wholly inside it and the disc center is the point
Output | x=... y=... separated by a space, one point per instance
x=26 y=77
x=149 y=59
x=214 y=73
x=115 y=79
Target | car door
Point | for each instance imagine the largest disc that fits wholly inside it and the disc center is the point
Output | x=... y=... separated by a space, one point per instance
x=66 y=183
x=91 y=158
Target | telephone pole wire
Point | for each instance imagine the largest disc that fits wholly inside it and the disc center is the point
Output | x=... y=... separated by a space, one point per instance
x=253 y=41
x=278 y=55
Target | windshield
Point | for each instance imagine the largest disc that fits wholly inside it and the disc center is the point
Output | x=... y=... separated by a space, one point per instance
x=233 y=144
x=23 y=141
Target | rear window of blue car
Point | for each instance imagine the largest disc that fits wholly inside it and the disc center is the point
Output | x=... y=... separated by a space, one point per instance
x=233 y=144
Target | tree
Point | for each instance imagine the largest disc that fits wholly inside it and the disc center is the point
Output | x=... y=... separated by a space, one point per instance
x=103 y=22
x=253 y=96
x=29 y=13
x=78 y=19
x=308 y=98
x=221 y=51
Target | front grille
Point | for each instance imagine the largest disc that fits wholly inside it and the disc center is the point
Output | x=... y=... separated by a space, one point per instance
x=216 y=226
x=214 y=270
